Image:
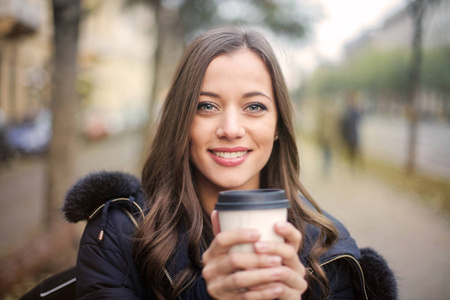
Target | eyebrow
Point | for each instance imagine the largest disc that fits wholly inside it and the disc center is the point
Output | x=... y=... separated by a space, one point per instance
x=255 y=93
x=246 y=95
x=210 y=94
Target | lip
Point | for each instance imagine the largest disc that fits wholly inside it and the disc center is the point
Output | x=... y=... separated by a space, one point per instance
x=229 y=162
x=227 y=149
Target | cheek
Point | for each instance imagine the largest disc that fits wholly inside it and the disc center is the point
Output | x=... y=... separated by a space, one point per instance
x=264 y=138
x=194 y=133
x=267 y=132
x=198 y=139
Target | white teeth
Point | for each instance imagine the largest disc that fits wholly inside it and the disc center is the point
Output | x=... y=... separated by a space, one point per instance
x=230 y=154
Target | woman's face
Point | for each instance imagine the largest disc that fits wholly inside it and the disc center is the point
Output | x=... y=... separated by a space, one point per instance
x=233 y=131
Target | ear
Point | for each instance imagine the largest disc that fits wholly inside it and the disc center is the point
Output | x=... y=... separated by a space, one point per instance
x=215 y=222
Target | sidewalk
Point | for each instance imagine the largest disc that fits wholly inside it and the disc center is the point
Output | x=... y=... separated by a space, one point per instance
x=414 y=238
x=23 y=186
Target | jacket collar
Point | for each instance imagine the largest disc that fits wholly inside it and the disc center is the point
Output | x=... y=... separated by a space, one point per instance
x=345 y=245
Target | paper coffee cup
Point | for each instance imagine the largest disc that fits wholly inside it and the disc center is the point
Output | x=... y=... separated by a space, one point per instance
x=256 y=209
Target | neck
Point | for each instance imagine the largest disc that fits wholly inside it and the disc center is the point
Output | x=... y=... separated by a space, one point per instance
x=209 y=192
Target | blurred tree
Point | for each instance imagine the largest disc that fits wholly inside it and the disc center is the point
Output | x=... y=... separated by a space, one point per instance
x=378 y=71
x=372 y=71
x=63 y=147
x=363 y=73
x=178 y=21
x=382 y=71
x=416 y=9
x=436 y=70
x=325 y=80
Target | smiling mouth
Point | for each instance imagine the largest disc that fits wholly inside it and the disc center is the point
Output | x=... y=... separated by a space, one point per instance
x=236 y=154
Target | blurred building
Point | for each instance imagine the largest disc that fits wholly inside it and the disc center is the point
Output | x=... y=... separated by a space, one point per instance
x=397 y=30
x=115 y=63
x=397 y=33
x=25 y=58
x=116 y=50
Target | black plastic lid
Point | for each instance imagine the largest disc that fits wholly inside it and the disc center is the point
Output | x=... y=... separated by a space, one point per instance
x=252 y=199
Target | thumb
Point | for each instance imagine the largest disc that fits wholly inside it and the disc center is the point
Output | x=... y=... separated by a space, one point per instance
x=215 y=222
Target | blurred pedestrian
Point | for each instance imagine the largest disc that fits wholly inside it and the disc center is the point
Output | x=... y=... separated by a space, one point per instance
x=226 y=124
x=6 y=152
x=350 y=129
x=327 y=133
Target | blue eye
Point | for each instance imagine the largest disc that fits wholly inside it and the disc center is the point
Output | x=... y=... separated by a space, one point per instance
x=205 y=106
x=256 y=107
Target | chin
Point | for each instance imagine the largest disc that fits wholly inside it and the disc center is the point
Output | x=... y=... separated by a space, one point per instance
x=235 y=185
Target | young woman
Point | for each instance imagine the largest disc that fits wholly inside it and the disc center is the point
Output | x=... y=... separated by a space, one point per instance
x=226 y=124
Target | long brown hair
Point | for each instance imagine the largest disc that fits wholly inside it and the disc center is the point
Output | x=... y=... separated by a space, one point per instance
x=168 y=180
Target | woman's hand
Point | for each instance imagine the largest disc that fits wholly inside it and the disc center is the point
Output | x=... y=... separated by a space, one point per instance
x=274 y=271
x=291 y=274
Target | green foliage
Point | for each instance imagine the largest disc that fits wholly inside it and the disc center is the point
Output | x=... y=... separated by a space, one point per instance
x=381 y=71
x=436 y=69
x=325 y=81
x=375 y=70
x=282 y=16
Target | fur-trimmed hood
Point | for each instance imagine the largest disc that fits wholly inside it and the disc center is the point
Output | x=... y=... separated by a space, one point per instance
x=380 y=279
x=94 y=190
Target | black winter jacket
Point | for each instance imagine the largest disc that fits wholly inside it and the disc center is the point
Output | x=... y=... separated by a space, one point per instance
x=112 y=201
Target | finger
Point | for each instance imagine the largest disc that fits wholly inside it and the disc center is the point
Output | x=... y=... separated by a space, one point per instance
x=240 y=261
x=253 y=280
x=286 y=252
x=235 y=262
x=292 y=291
x=246 y=279
x=268 y=291
x=292 y=235
x=261 y=286
x=283 y=275
x=215 y=221
x=226 y=239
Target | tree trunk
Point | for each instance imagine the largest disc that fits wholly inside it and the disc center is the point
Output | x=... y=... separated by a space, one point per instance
x=169 y=48
x=63 y=147
x=417 y=10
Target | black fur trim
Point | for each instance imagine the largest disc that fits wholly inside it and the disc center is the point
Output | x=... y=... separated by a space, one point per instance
x=93 y=190
x=380 y=280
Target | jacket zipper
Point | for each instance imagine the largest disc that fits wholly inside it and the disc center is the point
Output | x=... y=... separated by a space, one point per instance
x=355 y=261
x=170 y=279
x=130 y=216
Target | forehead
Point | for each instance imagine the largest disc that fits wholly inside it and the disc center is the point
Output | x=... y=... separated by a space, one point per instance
x=239 y=66
x=244 y=57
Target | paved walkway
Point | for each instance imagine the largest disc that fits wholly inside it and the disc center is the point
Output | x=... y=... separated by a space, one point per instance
x=414 y=238
x=387 y=138
x=23 y=185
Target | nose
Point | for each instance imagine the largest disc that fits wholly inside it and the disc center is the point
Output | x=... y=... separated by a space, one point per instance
x=231 y=126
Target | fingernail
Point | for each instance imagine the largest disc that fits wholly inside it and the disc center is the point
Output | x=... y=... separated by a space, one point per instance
x=277 y=290
x=276 y=272
x=252 y=234
x=261 y=246
x=274 y=260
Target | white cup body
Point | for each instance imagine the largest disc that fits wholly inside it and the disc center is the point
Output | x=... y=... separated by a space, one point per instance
x=261 y=219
